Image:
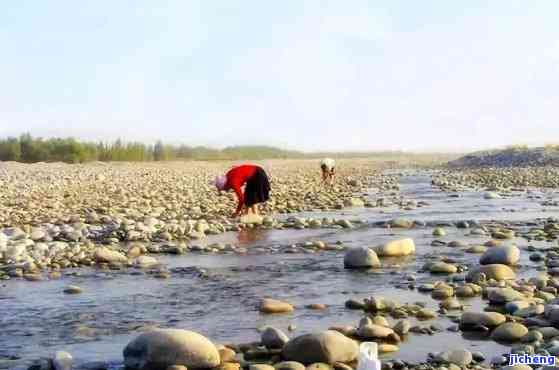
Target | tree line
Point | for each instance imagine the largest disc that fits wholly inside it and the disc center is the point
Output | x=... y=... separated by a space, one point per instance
x=28 y=149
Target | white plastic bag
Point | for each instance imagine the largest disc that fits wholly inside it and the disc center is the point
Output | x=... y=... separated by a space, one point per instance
x=368 y=357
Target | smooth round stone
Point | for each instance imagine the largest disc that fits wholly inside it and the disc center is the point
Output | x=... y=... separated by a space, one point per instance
x=476 y=249
x=396 y=248
x=326 y=347
x=387 y=348
x=442 y=268
x=451 y=304
x=270 y=306
x=62 y=361
x=439 y=231
x=160 y=348
x=402 y=327
x=426 y=314
x=360 y=257
x=509 y=332
x=496 y=271
x=370 y=331
x=73 y=289
x=319 y=366
x=504 y=295
x=442 y=292
x=489 y=319
x=273 y=338
x=506 y=255
x=289 y=365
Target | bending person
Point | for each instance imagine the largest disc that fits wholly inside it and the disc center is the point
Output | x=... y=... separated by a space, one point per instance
x=257 y=189
x=328 y=169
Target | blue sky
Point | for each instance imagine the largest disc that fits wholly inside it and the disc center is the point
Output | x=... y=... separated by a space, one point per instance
x=312 y=75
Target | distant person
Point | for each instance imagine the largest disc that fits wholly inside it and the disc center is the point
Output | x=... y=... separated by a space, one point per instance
x=328 y=166
x=257 y=189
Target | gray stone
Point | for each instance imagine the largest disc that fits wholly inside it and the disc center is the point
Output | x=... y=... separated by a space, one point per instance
x=273 y=338
x=508 y=255
x=360 y=257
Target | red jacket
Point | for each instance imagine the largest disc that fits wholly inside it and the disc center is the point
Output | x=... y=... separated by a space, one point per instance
x=236 y=178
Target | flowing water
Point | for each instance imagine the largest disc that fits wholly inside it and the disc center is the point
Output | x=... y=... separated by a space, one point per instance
x=221 y=302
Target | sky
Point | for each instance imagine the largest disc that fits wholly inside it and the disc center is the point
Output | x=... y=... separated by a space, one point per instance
x=310 y=75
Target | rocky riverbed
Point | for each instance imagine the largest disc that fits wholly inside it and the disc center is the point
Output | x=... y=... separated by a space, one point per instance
x=103 y=263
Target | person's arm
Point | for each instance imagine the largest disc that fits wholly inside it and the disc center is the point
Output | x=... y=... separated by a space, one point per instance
x=240 y=198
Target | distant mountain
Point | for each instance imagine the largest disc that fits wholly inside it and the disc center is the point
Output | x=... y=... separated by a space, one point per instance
x=518 y=156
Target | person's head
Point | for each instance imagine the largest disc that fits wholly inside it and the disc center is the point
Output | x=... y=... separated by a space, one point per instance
x=220 y=182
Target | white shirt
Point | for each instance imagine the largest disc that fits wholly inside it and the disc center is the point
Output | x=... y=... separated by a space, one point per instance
x=328 y=162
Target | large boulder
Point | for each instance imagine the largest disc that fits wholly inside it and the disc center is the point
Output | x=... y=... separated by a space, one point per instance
x=494 y=271
x=158 y=349
x=106 y=255
x=508 y=255
x=360 y=257
x=396 y=248
x=327 y=347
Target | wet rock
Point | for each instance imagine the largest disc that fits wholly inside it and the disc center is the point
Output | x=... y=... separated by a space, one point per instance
x=401 y=223
x=372 y=331
x=387 y=348
x=105 y=255
x=73 y=289
x=489 y=319
x=177 y=367
x=460 y=357
x=426 y=314
x=62 y=361
x=396 y=248
x=354 y=202
x=158 y=349
x=319 y=366
x=495 y=271
x=503 y=295
x=439 y=231
x=353 y=304
x=442 y=291
x=289 y=365
x=491 y=195
x=507 y=255
x=260 y=367
x=451 y=304
x=509 y=332
x=273 y=338
x=226 y=354
x=476 y=249
x=442 y=268
x=402 y=327
x=145 y=262
x=360 y=257
x=316 y=306
x=327 y=347
x=269 y=305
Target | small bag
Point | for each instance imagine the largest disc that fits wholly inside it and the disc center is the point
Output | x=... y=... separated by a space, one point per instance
x=368 y=356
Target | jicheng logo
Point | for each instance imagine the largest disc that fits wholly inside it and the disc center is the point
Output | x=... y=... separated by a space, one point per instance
x=531 y=360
